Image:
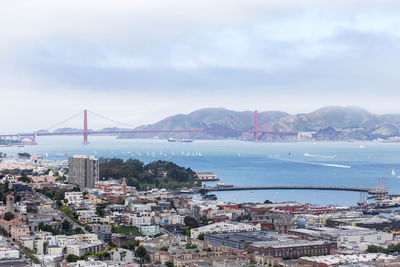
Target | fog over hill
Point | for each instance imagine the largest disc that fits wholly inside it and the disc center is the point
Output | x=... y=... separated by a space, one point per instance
x=327 y=123
x=333 y=123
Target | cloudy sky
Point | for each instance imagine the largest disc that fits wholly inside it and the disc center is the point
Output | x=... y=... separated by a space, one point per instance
x=139 y=61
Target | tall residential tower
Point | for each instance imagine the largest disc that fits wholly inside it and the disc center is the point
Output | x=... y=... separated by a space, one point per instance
x=83 y=171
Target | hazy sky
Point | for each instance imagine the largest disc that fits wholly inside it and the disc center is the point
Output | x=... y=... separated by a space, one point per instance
x=139 y=61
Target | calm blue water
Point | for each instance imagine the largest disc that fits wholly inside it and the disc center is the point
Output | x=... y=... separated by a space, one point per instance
x=248 y=163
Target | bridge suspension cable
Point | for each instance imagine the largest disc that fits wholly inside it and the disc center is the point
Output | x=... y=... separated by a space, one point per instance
x=64 y=121
x=118 y=122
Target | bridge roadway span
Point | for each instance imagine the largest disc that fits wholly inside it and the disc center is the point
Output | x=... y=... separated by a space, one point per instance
x=146 y=131
x=279 y=187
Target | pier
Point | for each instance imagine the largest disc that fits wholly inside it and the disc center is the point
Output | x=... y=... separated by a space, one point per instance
x=371 y=191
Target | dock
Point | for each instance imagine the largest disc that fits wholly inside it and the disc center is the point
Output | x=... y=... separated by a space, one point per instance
x=371 y=191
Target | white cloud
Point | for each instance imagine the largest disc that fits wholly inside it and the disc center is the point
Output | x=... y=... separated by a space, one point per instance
x=142 y=60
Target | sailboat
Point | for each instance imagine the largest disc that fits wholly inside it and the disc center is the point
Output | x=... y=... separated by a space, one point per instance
x=393 y=173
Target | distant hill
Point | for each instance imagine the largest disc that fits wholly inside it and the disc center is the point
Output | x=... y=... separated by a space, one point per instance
x=328 y=123
x=209 y=119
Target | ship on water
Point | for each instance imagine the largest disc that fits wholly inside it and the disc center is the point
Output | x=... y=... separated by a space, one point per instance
x=183 y=140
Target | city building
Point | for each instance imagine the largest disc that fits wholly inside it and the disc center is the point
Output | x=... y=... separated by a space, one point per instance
x=370 y=259
x=79 y=249
x=291 y=248
x=83 y=171
x=241 y=240
x=149 y=230
x=10 y=203
x=73 y=198
x=223 y=227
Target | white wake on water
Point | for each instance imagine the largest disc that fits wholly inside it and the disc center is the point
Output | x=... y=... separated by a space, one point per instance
x=319 y=156
x=313 y=163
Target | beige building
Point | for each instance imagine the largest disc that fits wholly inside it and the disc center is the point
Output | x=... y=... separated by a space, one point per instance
x=54 y=250
x=19 y=230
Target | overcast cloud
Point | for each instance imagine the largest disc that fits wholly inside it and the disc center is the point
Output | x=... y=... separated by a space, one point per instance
x=139 y=61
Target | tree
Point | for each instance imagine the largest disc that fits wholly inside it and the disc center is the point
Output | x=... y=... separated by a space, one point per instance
x=8 y=216
x=72 y=258
x=376 y=249
x=210 y=197
x=169 y=264
x=24 y=155
x=100 y=209
x=25 y=179
x=141 y=253
x=78 y=230
x=203 y=192
x=191 y=222
x=268 y=202
x=200 y=236
x=396 y=247
x=66 y=226
x=164 y=248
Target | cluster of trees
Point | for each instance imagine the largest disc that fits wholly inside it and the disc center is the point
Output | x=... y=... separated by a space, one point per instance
x=24 y=155
x=132 y=245
x=8 y=216
x=4 y=191
x=101 y=255
x=66 y=229
x=379 y=249
x=157 y=174
x=70 y=213
x=16 y=172
x=23 y=173
x=206 y=195
x=142 y=254
x=57 y=195
x=30 y=254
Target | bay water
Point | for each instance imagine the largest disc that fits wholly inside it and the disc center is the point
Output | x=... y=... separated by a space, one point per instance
x=241 y=163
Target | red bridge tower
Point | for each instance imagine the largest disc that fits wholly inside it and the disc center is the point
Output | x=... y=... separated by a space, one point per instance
x=255 y=130
x=85 y=128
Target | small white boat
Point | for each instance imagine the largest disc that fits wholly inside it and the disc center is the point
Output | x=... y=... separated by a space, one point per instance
x=393 y=173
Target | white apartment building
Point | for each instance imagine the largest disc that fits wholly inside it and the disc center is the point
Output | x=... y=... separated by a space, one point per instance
x=74 y=198
x=141 y=208
x=149 y=230
x=7 y=253
x=361 y=235
x=223 y=227
x=141 y=219
x=86 y=238
x=79 y=249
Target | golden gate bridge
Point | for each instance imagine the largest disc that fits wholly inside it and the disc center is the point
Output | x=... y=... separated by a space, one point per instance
x=30 y=138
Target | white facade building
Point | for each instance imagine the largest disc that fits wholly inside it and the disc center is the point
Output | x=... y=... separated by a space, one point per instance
x=141 y=219
x=149 y=230
x=73 y=198
x=223 y=227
